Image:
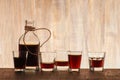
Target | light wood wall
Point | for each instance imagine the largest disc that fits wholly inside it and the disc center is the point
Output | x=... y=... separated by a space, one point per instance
x=85 y=25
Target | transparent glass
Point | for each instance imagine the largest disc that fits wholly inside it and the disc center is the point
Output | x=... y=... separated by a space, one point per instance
x=47 y=61
x=61 y=60
x=30 y=42
x=19 y=62
x=74 y=60
x=96 y=61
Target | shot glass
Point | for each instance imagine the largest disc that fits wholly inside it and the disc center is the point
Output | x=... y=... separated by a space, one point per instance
x=19 y=61
x=96 y=61
x=47 y=61
x=74 y=60
x=61 y=60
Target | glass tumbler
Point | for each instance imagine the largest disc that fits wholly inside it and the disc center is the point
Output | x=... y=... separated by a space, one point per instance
x=61 y=60
x=47 y=61
x=96 y=61
x=19 y=61
x=74 y=60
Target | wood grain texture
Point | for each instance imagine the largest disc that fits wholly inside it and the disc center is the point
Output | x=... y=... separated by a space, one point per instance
x=85 y=25
x=85 y=74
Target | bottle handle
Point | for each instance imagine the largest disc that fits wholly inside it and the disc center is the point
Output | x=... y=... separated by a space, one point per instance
x=48 y=36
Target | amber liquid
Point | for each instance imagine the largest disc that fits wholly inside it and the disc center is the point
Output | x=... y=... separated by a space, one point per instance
x=74 y=61
x=61 y=63
x=32 y=60
x=19 y=63
x=47 y=65
x=96 y=62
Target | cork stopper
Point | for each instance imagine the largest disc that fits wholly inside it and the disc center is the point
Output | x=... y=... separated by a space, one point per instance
x=29 y=26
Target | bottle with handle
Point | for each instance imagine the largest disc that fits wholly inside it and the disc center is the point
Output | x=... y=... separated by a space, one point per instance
x=30 y=42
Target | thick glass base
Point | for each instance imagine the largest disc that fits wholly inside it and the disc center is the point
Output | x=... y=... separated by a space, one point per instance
x=96 y=69
x=31 y=69
x=61 y=68
x=47 y=69
x=74 y=70
x=19 y=70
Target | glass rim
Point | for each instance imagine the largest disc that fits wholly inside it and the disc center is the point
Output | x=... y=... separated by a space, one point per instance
x=14 y=51
x=59 y=51
x=47 y=52
x=17 y=50
x=97 y=52
x=75 y=51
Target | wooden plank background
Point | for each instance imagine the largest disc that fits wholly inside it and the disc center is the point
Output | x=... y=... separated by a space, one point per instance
x=86 y=25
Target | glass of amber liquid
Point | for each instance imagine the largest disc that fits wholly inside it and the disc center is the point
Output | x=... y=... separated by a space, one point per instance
x=74 y=60
x=61 y=60
x=47 y=61
x=96 y=61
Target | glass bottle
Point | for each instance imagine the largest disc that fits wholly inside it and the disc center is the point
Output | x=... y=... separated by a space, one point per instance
x=29 y=41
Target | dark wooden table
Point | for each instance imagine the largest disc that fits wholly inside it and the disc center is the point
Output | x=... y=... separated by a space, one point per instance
x=85 y=74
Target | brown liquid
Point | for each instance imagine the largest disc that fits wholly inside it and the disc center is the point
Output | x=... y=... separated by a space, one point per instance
x=61 y=63
x=47 y=65
x=74 y=61
x=32 y=60
x=19 y=63
x=96 y=62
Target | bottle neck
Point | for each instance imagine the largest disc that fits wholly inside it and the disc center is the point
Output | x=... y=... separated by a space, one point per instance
x=29 y=37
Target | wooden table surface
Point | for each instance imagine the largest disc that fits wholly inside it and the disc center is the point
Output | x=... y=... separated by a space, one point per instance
x=85 y=74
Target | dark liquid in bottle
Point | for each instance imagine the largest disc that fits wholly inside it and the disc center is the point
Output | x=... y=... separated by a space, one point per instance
x=32 y=60
x=61 y=63
x=96 y=62
x=74 y=61
x=47 y=65
x=19 y=63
